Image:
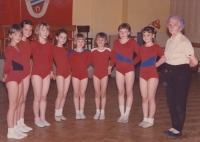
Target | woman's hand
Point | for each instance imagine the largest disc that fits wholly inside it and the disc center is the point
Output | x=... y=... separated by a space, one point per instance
x=193 y=61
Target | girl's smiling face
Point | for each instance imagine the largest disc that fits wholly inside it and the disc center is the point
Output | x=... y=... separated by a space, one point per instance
x=147 y=37
x=62 y=38
x=27 y=30
x=101 y=42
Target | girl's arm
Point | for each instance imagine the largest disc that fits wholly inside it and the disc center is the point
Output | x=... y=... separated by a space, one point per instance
x=8 y=62
x=88 y=57
x=52 y=76
x=69 y=56
x=113 y=56
x=160 y=61
x=137 y=59
x=160 y=53
x=110 y=67
x=31 y=59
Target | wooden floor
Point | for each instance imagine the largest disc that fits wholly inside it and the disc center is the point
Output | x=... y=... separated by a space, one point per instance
x=108 y=130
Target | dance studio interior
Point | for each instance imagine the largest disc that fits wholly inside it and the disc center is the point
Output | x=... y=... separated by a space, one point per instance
x=91 y=17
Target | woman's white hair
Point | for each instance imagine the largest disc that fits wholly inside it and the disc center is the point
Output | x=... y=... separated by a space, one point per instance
x=177 y=17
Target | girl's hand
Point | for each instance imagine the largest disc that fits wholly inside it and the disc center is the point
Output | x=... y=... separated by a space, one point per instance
x=52 y=75
x=109 y=70
x=4 y=77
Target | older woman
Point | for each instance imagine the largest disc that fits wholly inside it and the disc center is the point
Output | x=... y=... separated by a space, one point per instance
x=180 y=57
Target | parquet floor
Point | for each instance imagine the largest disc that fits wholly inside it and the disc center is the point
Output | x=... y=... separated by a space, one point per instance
x=108 y=130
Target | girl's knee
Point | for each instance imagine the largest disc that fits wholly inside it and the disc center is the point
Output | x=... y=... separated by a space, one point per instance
x=60 y=95
x=121 y=93
x=44 y=98
x=37 y=98
x=13 y=106
x=151 y=100
x=129 y=93
x=76 y=95
x=82 y=95
x=103 y=95
x=145 y=100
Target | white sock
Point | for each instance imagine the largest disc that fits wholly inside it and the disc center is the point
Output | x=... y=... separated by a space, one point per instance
x=19 y=123
x=11 y=130
x=97 y=111
x=81 y=112
x=127 y=112
x=121 y=109
x=57 y=112
x=145 y=119
x=151 y=120
x=77 y=112
x=102 y=111
x=61 y=112
x=22 y=120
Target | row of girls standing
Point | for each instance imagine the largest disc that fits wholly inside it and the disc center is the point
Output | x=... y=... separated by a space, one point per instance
x=17 y=74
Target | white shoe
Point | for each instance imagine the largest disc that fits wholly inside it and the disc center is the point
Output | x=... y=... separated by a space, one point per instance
x=96 y=116
x=147 y=125
x=46 y=123
x=82 y=116
x=27 y=127
x=22 y=129
x=102 y=116
x=125 y=119
x=17 y=131
x=63 y=118
x=142 y=123
x=78 y=116
x=39 y=124
x=120 y=119
x=57 y=118
x=14 y=136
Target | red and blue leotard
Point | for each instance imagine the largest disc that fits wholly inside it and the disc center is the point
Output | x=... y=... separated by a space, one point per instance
x=122 y=55
x=148 y=56
x=79 y=63
x=61 y=60
x=24 y=47
x=43 y=58
x=100 y=61
x=13 y=66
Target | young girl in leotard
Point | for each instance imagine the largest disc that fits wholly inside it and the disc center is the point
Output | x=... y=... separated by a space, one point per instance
x=99 y=57
x=42 y=72
x=24 y=47
x=122 y=54
x=79 y=60
x=63 y=72
x=148 y=75
x=13 y=76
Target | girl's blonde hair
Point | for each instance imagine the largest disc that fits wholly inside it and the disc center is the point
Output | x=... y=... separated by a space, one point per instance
x=37 y=28
x=77 y=37
x=12 y=29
